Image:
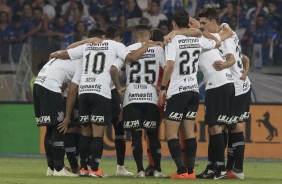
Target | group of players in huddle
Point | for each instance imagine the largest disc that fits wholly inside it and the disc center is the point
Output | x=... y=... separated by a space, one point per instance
x=161 y=83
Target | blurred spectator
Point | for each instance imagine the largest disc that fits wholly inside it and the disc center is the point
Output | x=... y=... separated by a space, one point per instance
x=17 y=37
x=260 y=40
x=277 y=47
x=76 y=15
x=4 y=37
x=169 y=6
x=111 y=12
x=98 y=6
x=80 y=32
x=154 y=15
x=218 y=4
x=27 y=16
x=60 y=32
x=16 y=5
x=227 y=13
x=41 y=46
x=100 y=20
x=273 y=18
x=164 y=27
x=190 y=6
x=5 y=8
x=144 y=5
x=253 y=12
x=145 y=21
x=67 y=7
x=240 y=13
x=47 y=8
x=132 y=13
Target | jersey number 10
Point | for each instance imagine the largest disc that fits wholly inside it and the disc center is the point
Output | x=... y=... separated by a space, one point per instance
x=98 y=63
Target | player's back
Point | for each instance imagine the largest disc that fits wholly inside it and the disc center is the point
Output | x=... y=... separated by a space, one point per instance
x=232 y=45
x=56 y=72
x=212 y=77
x=97 y=61
x=146 y=69
x=184 y=51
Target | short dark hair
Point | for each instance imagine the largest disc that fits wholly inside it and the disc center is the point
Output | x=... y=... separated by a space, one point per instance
x=181 y=18
x=112 y=32
x=95 y=32
x=157 y=35
x=141 y=29
x=158 y=2
x=210 y=14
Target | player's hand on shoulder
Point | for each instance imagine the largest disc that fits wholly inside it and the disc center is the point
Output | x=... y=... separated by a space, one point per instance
x=219 y=65
x=193 y=23
x=55 y=54
x=62 y=127
x=169 y=37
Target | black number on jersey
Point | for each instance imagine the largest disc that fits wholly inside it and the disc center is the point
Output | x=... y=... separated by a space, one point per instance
x=134 y=78
x=238 y=51
x=99 y=58
x=186 y=70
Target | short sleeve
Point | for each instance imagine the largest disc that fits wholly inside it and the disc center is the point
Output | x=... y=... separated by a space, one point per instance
x=161 y=57
x=118 y=63
x=227 y=46
x=121 y=51
x=207 y=43
x=76 y=53
x=170 y=51
x=78 y=72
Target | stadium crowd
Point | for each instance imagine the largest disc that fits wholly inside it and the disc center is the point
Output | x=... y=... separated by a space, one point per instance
x=54 y=24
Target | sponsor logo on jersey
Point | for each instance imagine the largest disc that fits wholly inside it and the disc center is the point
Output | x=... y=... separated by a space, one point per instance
x=191 y=115
x=176 y=116
x=90 y=88
x=140 y=96
x=84 y=119
x=40 y=79
x=90 y=79
x=97 y=119
x=140 y=86
x=188 y=88
x=150 y=124
x=246 y=86
x=188 y=40
x=97 y=47
x=131 y=124
x=189 y=46
x=43 y=120
x=228 y=76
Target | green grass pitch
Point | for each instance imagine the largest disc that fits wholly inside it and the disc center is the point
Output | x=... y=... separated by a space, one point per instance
x=29 y=170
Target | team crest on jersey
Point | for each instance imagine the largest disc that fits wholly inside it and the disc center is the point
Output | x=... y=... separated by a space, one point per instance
x=60 y=117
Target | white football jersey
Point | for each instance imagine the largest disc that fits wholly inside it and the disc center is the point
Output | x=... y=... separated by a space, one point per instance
x=213 y=78
x=185 y=51
x=56 y=72
x=231 y=45
x=97 y=61
x=142 y=76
